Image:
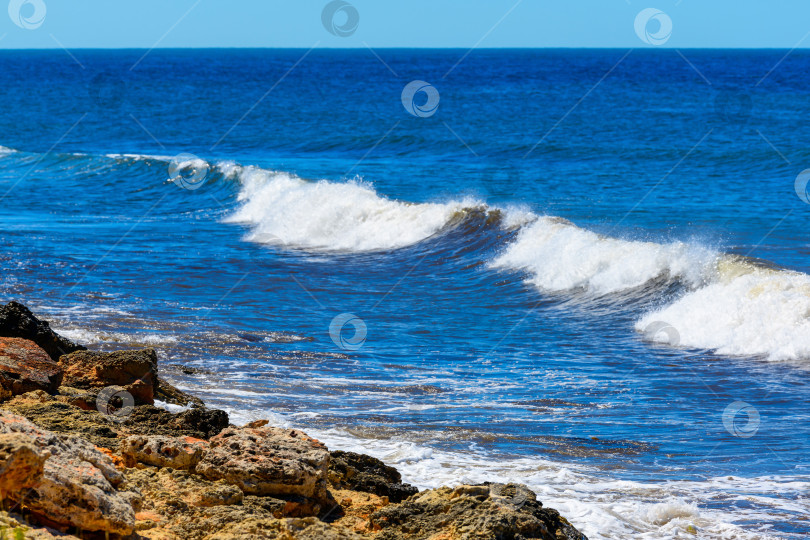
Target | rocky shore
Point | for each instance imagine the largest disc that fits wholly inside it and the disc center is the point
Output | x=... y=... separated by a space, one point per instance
x=86 y=453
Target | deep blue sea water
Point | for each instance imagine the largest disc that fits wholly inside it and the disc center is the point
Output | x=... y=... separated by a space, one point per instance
x=584 y=270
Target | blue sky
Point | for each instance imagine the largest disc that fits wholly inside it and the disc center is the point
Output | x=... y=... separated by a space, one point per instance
x=409 y=23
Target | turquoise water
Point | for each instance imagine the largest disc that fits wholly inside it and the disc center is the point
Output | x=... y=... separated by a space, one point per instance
x=596 y=286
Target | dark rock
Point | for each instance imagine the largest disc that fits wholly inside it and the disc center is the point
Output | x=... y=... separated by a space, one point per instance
x=186 y=370
x=169 y=394
x=489 y=511
x=359 y=472
x=200 y=423
x=106 y=431
x=25 y=366
x=16 y=320
x=135 y=371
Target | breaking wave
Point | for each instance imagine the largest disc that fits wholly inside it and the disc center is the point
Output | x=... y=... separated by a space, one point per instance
x=283 y=209
x=560 y=256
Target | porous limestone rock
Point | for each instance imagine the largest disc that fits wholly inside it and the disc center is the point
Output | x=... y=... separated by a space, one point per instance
x=162 y=451
x=21 y=464
x=268 y=461
x=78 y=483
x=487 y=511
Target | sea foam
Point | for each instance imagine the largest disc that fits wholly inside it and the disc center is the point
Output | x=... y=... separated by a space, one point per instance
x=560 y=256
x=283 y=209
x=744 y=310
x=729 y=304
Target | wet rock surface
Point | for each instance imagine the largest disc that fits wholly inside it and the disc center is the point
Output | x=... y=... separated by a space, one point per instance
x=17 y=321
x=174 y=396
x=200 y=423
x=107 y=431
x=359 y=472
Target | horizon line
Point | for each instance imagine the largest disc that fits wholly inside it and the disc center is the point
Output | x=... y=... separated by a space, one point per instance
x=360 y=48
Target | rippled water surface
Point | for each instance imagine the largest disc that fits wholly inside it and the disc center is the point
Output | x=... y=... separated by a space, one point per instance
x=599 y=289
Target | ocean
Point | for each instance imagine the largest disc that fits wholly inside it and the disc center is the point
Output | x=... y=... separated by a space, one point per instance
x=582 y=270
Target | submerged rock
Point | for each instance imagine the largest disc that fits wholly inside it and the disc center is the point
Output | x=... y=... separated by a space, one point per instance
x=359 y=472
x=17 y=321
x=135 y=371
x=78 y=483
x=25 y=366
x=268 y=461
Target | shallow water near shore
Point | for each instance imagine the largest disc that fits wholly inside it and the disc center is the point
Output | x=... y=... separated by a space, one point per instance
x=504 y=288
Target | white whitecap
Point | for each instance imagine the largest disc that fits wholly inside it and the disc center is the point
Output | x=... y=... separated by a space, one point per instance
x=283 y=209
x=745 y=310
x=560 y=256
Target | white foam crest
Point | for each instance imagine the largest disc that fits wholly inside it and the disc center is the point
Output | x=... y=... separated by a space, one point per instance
x=5 y=150
x=283 y=209
x=560 y=256
x=745 y=310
